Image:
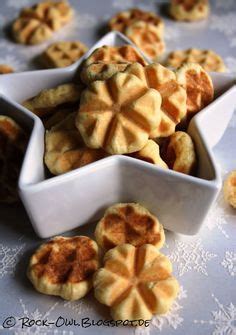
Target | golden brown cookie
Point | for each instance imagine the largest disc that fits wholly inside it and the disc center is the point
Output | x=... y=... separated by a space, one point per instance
x=124 y=19
x=64 y=266
x=198 y=85
x=61 y=54
x=173 y=106
x=5 y=69
x=65 y=149
x=230 y=189
x=147 y=37
x=37 y=23
x=208 y=59
x=150 y=153
x=180 y=154
x=118 y=114
x=129 y=223
x=135 y=282
x=13 y=143
x=50 y=100
x=189 y=10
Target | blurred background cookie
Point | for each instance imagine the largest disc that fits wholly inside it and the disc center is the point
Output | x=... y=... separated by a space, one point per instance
x=4 y=69
x=189 y=10
x=61 y=54
x=208 y=59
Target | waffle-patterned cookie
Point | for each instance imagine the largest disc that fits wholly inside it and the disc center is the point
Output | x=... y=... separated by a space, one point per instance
x=180 y=154
x=49 y=100
x=208 y=59
x=37 y=23
x=173 y=107
x=189 y=10
x=4 y=69
x=64 y=266
x=118 y=114
x=124 y=19
x=65 y=149
x=61 y=54
x=13 y=142
x=136 y=282
x=230 y=189
x=198 y=85
x=129 y=223
x=150 y=153
x=147 y=37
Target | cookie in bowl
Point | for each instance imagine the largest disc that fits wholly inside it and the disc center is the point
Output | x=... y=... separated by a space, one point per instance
x=64 y=267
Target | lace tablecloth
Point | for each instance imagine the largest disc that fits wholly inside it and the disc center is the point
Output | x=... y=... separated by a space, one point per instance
x=205 y=265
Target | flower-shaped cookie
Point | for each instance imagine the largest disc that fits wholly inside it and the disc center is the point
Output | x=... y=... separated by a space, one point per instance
x=180 y=153
x=65 y=53
x=129 y=223
x=135 y=282
x=64 y=266
x=147 y=37
x=118 y=114
x=173 y=107
x=189 y=10
x=65 y=149
x=208 y=59
x=37 y=23
x=124 y=19
x=198 y=85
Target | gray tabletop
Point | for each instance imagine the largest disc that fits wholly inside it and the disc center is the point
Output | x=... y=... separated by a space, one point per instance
x=205 y=265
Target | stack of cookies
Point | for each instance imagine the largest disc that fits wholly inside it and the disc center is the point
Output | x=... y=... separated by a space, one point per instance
x=125 y=267
x=123 y=106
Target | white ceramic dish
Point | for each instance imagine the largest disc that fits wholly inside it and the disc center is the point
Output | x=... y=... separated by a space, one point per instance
x=61 y=203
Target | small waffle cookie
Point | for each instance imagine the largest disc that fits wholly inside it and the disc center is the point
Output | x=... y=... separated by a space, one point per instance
x=198 y=85
x=173 y=107
x=129 y=223
x=230 y=189
x=65 y=149
x=5 y=69
x=136 y=282
x=37 y=23
x=123 y=20
x=64 y=267
x=13 y=143
x=147 y=37
x=49 y=100
x=150 y=153
x=118 y=114
x=61 y=54
x=189 y=10
x=180 y=154
x=208 y=59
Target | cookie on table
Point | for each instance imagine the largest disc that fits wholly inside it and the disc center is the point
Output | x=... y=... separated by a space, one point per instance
x=62 y=54
x=180 y=154
x=122 y=20
x=105 y=61
x=129 y=223
x=65 y=149
x=173 y=95
x=198 y=85
x=208 y=59
x=118 y=114
x=189 y=10
x=147 y=37
x=64 y=267
x=13 y=143
x=5 y=69
x=230 y=189
x=135 y=282
x=37 y=24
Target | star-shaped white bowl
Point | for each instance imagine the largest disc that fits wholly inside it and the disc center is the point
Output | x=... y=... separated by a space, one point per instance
x=64 y=202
